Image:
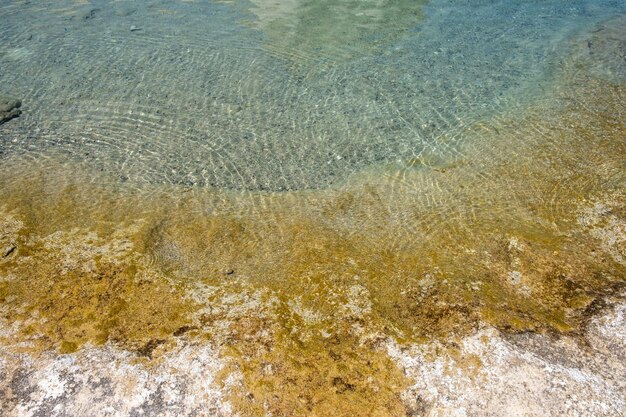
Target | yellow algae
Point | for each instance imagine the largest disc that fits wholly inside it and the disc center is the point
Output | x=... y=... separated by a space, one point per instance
x=71 y=288
x=333 y=376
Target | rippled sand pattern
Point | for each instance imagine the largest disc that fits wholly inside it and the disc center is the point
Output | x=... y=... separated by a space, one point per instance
x=300 y=302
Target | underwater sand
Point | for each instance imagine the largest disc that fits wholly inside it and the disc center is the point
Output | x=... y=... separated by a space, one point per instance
x=181 y=233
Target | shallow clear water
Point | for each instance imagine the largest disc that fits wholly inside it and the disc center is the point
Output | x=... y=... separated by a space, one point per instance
x=297 y=184
x=271 y=96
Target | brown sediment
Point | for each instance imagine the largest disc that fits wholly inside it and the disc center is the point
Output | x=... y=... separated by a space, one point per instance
x=524 y=233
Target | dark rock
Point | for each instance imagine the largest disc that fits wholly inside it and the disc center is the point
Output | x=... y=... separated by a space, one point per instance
x=9 y=108
x=147 y=349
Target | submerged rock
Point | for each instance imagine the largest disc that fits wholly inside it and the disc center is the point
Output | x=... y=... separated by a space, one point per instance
x=88 y=14
x=9 y=108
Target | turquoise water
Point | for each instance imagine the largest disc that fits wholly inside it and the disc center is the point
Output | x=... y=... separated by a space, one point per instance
x=272 y=96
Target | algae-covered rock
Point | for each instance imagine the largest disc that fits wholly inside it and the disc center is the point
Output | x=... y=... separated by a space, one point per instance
x=9 y=108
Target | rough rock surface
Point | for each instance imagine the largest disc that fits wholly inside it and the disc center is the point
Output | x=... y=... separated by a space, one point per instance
x=105 y=381
x=489 y=374
x=486 y=374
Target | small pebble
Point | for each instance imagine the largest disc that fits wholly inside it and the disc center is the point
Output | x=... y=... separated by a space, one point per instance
x=515 y=277
x=228 y=272
x=8 y=250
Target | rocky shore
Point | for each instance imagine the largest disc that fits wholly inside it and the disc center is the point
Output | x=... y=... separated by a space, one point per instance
x=491 y=284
